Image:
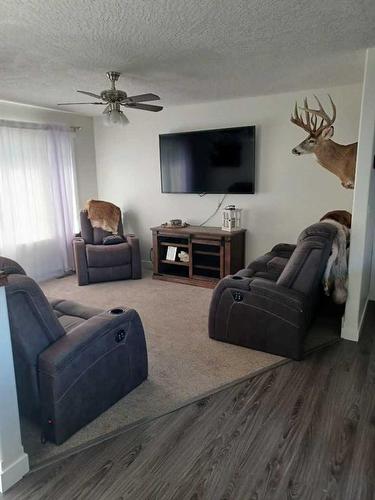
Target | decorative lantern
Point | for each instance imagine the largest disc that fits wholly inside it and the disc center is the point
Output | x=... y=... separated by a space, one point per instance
x=231 y=218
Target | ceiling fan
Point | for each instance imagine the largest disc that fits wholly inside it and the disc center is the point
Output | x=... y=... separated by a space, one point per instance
x=114 y=99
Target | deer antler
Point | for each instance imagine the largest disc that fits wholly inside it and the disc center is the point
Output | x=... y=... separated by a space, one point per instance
x=297 y=119
x=311 y=124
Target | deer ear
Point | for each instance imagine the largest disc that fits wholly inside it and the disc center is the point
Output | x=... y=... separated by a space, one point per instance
x=327 y=133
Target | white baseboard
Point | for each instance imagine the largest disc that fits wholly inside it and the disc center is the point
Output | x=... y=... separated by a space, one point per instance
x=14 y=472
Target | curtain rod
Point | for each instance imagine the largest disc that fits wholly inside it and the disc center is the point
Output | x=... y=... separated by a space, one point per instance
x=32 y=125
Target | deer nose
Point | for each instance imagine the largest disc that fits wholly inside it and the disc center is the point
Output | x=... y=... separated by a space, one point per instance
x=295 y=151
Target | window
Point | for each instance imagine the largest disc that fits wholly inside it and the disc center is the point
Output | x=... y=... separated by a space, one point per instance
x=38 y=197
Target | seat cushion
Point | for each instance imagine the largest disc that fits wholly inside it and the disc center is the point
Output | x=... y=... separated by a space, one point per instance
x=72 y=308
x=70 y=322
x=270 y=274
x=108 y=255
x=245 y=273
x=113 y=239
x=97 y=274
x=71 y=314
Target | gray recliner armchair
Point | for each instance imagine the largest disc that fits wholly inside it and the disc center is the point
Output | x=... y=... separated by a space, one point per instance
x=72 y=362
x=270 y=305
x=96 y=262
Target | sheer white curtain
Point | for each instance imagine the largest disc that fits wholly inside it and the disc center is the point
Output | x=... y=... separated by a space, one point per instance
x=38 y=207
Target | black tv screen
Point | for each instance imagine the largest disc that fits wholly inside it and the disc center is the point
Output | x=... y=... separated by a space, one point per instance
x=209 y=161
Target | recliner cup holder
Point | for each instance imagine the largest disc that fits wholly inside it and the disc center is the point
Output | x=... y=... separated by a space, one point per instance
x=116 y=310
x=237 y=278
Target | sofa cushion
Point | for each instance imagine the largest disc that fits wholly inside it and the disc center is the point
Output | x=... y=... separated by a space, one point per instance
x=71 y=314
x=108 y=255
x=268 y=266
x=305 y=267
x=320 y=230
x=270 y=274
x=245 y=273
x=70 y=308
x=97 y=274
x=95 y=235
x=260 y=263
x=283 y=250
x=99 y=235
x=70 y=322
x=277 y=264
x=113 y=239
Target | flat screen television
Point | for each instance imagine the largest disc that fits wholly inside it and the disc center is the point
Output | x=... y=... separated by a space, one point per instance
x=208 y=161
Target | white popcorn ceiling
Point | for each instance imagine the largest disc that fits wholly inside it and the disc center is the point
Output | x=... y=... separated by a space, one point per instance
x=185 y=50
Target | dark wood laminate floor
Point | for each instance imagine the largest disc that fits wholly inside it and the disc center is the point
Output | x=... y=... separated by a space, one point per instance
x=304 y=430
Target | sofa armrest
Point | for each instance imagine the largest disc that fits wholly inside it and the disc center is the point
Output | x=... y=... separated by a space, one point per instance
x=80 y=260
x=266 y=293
x=277 y=293
x=133 y=242
x=259 y=314
x=73 y=346
x=235 y=282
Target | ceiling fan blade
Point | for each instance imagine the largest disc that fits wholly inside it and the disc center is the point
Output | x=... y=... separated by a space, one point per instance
x=90 y=94
x=70 y=103
x=145 y=107
x=143 y=97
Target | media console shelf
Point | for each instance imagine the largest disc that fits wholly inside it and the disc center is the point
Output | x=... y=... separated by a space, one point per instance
x=213 y=254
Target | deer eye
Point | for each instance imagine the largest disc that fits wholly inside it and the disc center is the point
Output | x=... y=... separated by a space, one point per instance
x=311 y=141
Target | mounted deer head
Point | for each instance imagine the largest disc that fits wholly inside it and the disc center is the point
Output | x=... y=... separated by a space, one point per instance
x=337 y=158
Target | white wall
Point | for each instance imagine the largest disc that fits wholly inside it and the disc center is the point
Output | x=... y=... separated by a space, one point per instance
x=85 y=147
x=291 y=192
x=362 y=235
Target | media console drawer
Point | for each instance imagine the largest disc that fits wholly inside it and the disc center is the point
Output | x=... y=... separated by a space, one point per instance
x=212 y=254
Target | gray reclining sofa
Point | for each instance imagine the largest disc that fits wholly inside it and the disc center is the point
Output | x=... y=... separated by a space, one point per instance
x=270 y=305
x=72 y=362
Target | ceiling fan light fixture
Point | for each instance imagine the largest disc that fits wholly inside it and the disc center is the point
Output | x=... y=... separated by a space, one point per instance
x=115 y=117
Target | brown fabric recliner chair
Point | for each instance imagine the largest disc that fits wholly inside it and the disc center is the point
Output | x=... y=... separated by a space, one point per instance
x=96 y=262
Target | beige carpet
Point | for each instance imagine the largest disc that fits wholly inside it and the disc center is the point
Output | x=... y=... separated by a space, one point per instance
x=184 y=363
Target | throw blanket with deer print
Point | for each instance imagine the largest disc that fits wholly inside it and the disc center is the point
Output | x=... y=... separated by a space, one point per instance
x=104 y=215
